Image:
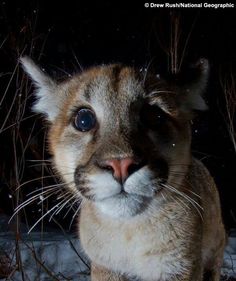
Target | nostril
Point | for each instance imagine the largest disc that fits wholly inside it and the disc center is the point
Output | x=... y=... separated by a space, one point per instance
x=110 y=165
x=121 y=168
x=105 y=166
x=135 y=167
x=114 y=165
x=108 y=168
x=132 y=168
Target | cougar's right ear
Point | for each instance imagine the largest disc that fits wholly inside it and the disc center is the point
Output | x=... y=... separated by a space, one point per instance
x=191 y=97
x=48 y=97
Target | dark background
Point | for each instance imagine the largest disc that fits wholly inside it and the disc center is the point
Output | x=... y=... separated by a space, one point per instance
x=65 y=36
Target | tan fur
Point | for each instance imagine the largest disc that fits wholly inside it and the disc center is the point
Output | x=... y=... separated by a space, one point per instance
x=167 y=225
x=203 y=239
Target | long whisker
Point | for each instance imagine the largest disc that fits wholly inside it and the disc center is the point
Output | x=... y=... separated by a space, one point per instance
x=72 y=205
x=50 y=190
x=76 y=212
x=44 y=198
x=176 y=173
x=34 y=198
x=184 y=195
x=195 y=204
x=43 y=165
x=46 y=188
x=179 y=164
x=33 y=180
x=29 y=201
x=48 y=212
x=187 y=189
x=153 y=93
x=182 y=203
x=146 y=69
x=192 y=192
x=39 y=160
x=44 y=177
x=62 y=205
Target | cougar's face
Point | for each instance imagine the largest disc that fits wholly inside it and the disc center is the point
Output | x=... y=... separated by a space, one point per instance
x=117 y=140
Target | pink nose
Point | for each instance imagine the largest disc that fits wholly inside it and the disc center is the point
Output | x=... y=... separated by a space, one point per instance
x=120 y=167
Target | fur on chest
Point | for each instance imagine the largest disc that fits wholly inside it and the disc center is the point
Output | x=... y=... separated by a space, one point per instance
x=150 y=251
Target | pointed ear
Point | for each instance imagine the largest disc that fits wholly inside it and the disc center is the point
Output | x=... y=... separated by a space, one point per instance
x=46 y=89
x=192 y=92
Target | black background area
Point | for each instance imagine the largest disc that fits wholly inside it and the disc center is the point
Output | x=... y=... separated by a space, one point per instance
x=65 y=36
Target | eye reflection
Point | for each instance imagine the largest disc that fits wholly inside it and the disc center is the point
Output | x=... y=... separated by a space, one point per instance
x=85 y=120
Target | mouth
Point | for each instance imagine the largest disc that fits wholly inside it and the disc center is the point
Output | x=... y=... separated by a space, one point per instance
x=121 y=200
x=123 y=205
x=122 y=195
x=141 y=187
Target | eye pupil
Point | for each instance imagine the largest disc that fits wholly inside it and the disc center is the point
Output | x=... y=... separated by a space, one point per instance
x=85 y=120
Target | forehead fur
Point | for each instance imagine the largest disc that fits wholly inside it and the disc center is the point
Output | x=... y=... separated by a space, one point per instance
x=112 y=87
x=103 y=88
x=117 y=80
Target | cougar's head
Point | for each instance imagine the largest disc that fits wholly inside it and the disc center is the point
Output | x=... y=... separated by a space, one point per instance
x=118 y=137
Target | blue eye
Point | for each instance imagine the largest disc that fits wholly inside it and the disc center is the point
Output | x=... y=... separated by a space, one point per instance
x=85 y=120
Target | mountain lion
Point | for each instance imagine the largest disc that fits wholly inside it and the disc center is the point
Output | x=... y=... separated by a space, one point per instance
x=120 y=140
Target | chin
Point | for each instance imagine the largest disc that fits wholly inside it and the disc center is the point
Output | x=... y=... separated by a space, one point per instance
x=123 y=205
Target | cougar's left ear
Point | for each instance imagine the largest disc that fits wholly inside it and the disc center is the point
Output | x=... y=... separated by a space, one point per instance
x=48 y=96
x=191 y=93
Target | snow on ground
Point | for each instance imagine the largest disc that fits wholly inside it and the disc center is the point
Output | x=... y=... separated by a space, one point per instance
x=52 y=256
x=44 y=256
x=229 y=265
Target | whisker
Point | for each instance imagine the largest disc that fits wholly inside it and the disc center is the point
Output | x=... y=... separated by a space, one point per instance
x=44 y=165
x=62 y=205
x=192 y=192
x=179 y=164
x=38 y=160
x=195 y=204
x=42 y=199
x=72 y=205
x=163 y=196
x=76 y=212
x=36 y=196
x=177 y=173
x=50 y=190
x=65 y=203
x=183 y=203
x=187 y=189
x=153 y=93
x=26 y=203
x=187 y=197
x=146 y=69
x=33 y=180
x=45 y=188
x=48 y=212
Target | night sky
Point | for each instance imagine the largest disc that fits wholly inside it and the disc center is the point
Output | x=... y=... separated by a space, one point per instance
x=66 y=36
